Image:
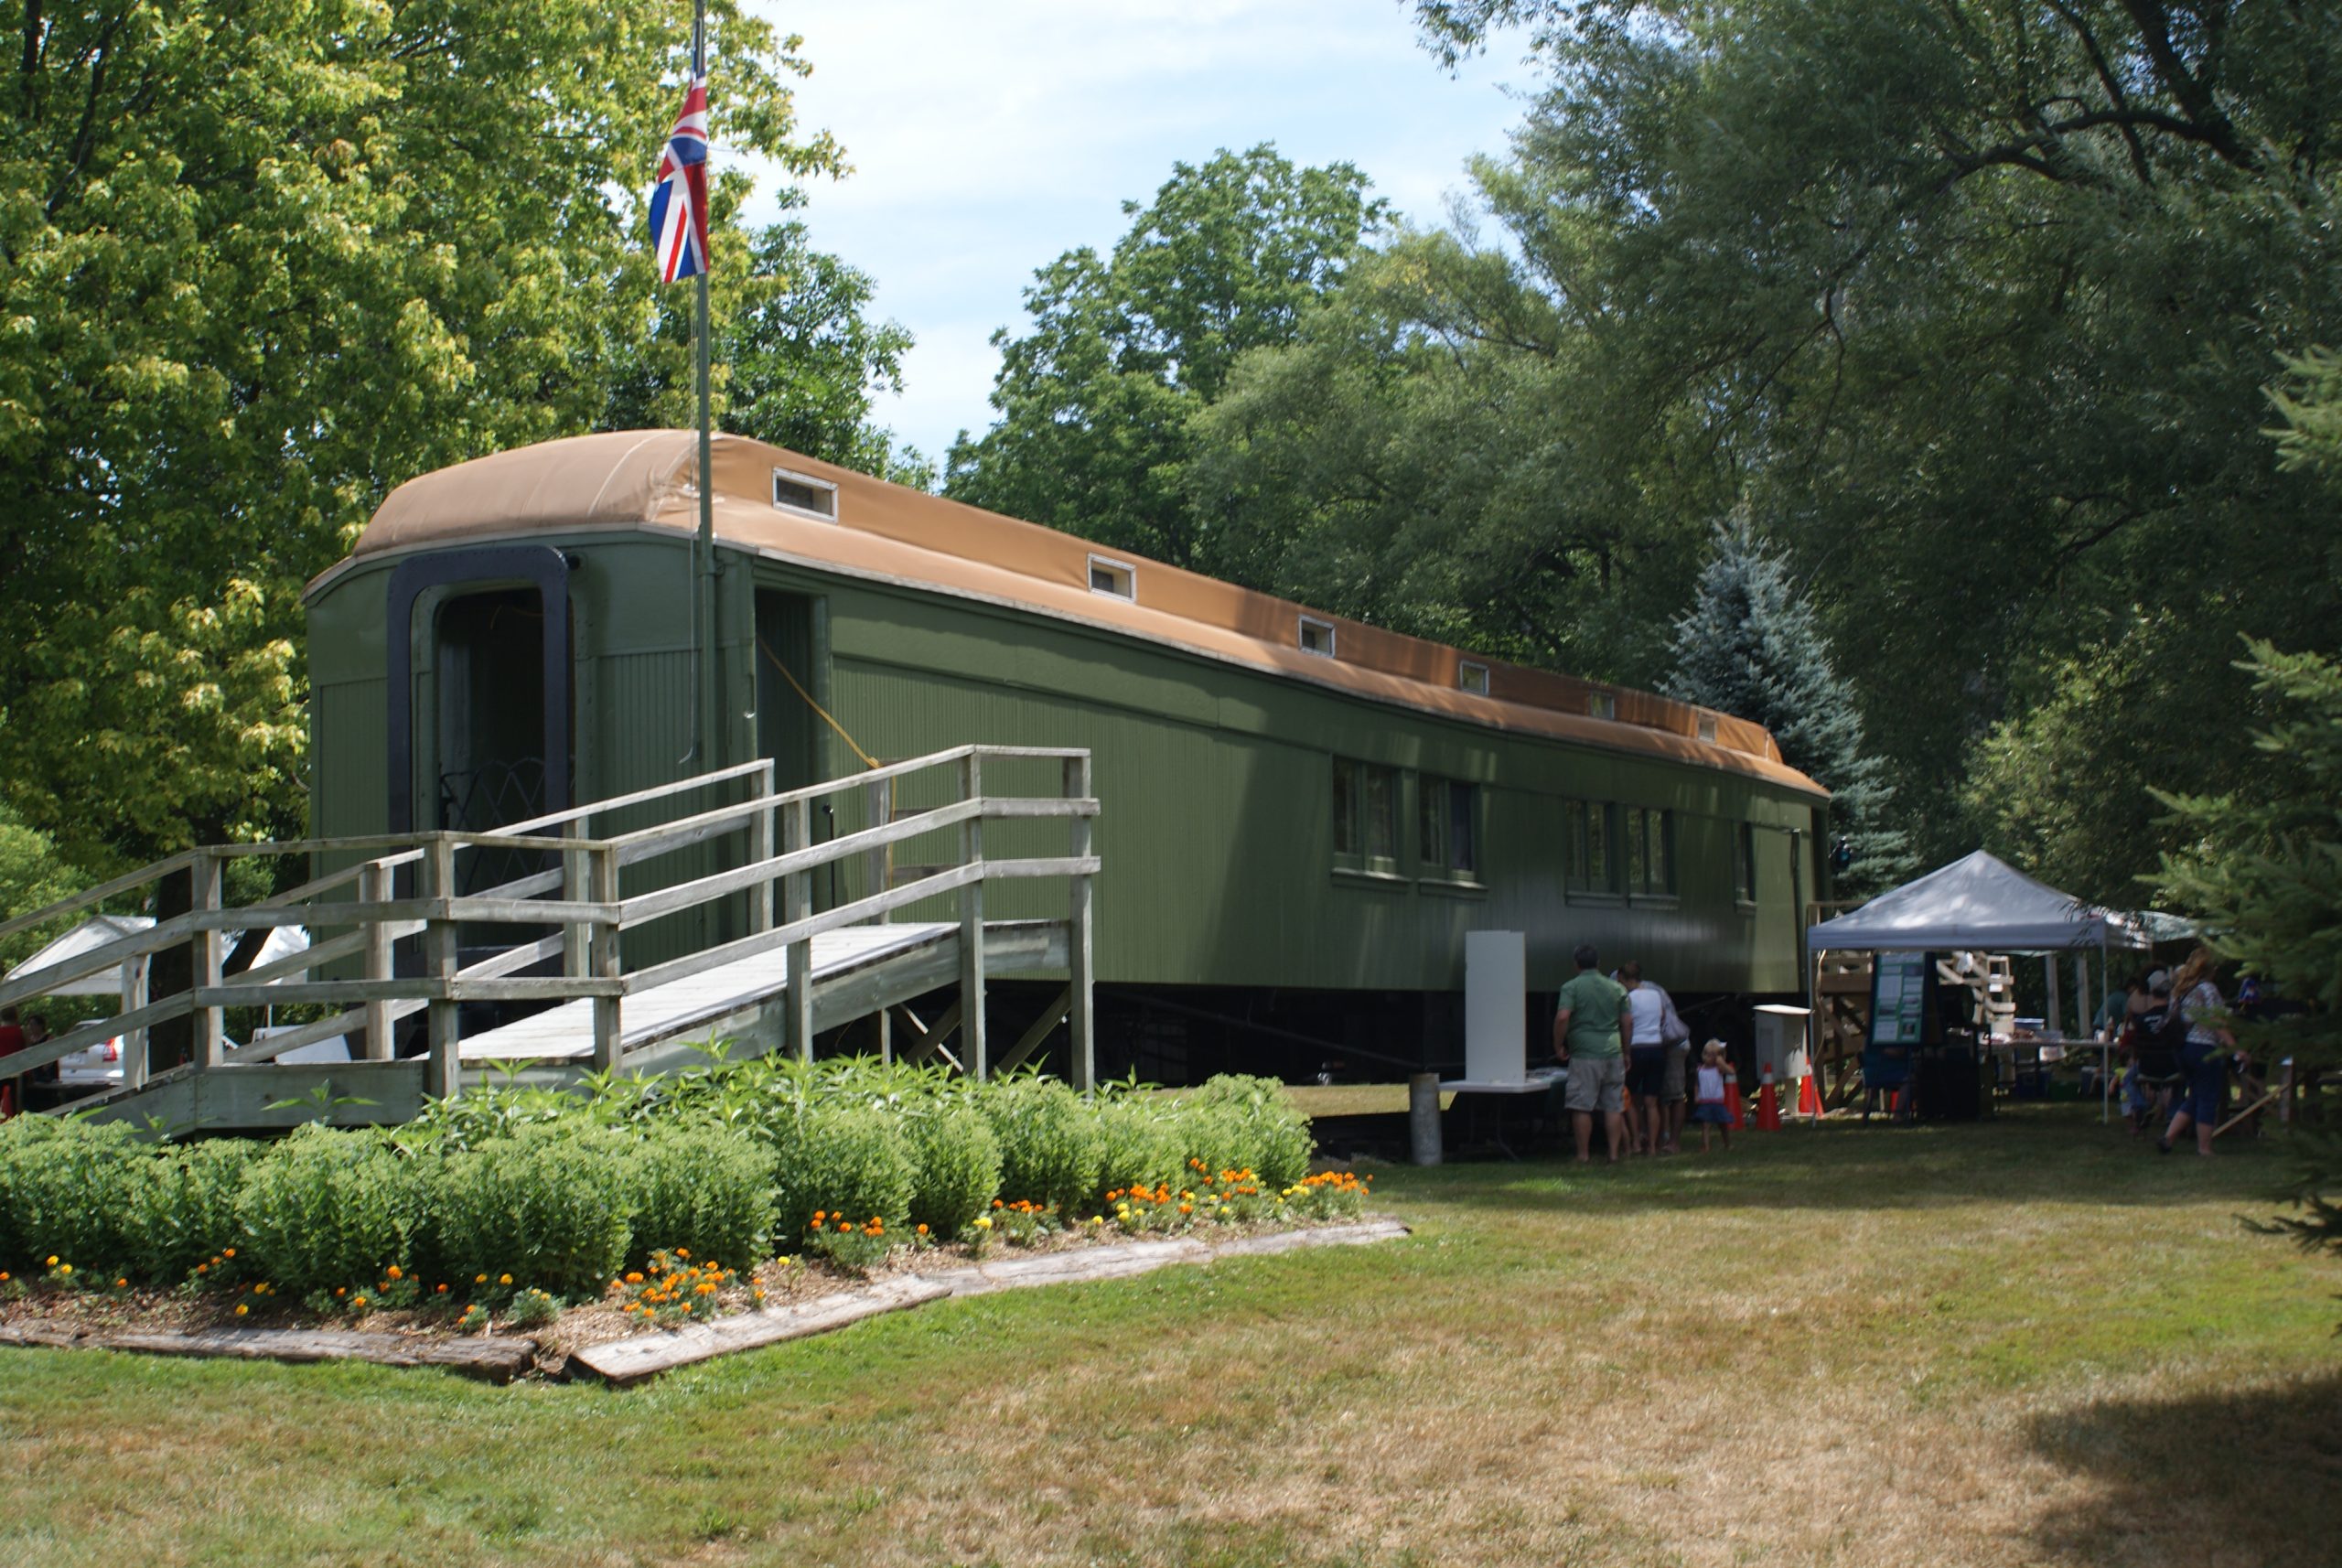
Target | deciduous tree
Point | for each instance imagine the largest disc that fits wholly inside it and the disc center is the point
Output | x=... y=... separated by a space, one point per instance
x=1125 y=350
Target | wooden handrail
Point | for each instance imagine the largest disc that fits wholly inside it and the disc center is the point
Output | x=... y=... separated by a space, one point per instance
x=590 y=922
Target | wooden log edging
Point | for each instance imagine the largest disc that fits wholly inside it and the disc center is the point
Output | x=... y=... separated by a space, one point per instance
x=497 y=1360
x=631 y=1360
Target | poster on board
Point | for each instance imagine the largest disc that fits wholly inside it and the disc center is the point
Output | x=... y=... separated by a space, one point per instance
x=1898 y=998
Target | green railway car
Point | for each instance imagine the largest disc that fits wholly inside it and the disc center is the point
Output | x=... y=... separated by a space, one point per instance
x=1302 y=815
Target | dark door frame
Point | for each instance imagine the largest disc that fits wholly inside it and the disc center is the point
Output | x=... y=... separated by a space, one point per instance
x=490 y=566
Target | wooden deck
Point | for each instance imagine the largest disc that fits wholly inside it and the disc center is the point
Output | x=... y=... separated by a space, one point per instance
x=684 y=1007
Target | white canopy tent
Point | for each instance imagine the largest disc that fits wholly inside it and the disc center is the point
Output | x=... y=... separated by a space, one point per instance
x=1978 y=902
x=1983 y=903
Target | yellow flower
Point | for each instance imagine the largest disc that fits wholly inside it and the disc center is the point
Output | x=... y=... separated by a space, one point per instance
x=983 y=1221
x=479 y=1279
x=52 y=1260
x=242 y=1309
x=504 y=1279
x=682 y=1251
x=64 y=1268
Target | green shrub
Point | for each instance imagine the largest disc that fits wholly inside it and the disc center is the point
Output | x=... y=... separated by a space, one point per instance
x=955 y=1166
x=554 y=1210
x=705 y=1189
x=852 y=1161
x=1138 y=1146
x=323 y=1208
x=1271 y=1136
x=1049 y=1146
x=187 y=1210
x=73 y=1190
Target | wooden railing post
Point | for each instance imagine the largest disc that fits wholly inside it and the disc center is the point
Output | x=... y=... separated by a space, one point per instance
x=609 y=1022
x=134 y=997
x=796 y=904
x=880 y=795
x=760 y=842
x=1079 y=1016
x=444 y=1077
x=971 y=925
x=577 y=936
x=203 y=876
x=374 y=888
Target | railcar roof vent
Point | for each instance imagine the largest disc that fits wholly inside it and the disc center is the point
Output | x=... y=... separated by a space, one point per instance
x=804 y=494
x=1472 y=676
x=1317 y=637
x=1708 y=728
x=1116 y=579
x=1602 y=704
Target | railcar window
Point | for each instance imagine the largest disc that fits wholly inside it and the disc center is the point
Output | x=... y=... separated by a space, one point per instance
x=1602 y=705
x=1448 y=830
x=1316 y=637
x=1744 y=864
x=1591 y=830
x=1112 y=578
x=1366 y=816
x=1650 y=852
x=1471 y=677
x=804 y=493
x=1708 y=727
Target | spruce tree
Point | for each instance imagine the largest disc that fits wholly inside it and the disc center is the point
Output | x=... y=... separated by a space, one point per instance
x=1749 y=647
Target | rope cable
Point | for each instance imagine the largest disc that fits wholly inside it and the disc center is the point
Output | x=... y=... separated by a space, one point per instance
x=765 y=648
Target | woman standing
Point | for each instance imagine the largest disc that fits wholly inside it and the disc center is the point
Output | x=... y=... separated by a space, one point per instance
x=1645 y=1059
x=2204 y=1058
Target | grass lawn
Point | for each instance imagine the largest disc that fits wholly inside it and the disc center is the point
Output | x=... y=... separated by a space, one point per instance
x=2026 y=1342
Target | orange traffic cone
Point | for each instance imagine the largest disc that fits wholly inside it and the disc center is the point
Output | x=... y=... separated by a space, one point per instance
x=1809 y=1096
x=1768 y=1103
x=1733 y=1097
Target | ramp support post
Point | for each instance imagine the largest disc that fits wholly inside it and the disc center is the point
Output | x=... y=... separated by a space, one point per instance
x=1076 y=937
x=204 y=875
x=609 y=1021
x=971 y=925
x=439 y=961
x=796 y=904
x=374 y=888
x=760 y=842
x=878 y=810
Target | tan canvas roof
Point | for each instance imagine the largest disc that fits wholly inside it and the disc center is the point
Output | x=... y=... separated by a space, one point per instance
x=644 y=478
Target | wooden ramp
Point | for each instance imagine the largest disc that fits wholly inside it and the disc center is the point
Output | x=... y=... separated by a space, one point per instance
x=565 y=997
x=857 y=971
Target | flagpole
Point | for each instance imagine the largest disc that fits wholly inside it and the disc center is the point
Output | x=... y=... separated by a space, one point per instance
x=706 y=720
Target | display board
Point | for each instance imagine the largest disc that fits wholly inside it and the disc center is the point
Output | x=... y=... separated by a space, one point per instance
x=1898 y=998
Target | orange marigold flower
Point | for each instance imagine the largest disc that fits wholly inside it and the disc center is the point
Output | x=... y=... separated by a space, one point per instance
x=228 y=1253
x=393 y=1272
x=922 y=1231
x=504 y=1279
x=242 y=1309
x=441 y=1290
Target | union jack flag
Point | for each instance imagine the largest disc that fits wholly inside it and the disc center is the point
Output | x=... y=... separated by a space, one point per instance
x=678 y=200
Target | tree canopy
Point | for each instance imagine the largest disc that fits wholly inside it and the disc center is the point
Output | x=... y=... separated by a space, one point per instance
x=1125 y=350
x=1977 y=305
x=259 y=263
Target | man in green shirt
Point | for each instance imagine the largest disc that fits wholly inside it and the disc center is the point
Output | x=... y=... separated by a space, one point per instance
x=1589 y=1038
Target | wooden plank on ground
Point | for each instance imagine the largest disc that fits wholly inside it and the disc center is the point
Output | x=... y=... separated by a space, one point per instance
x=630 y=1361
x=498 y=1360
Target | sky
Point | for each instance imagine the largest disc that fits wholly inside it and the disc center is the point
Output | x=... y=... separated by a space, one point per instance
x=987 y=139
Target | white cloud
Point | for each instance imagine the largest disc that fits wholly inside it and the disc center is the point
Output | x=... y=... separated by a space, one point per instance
x=986 y=139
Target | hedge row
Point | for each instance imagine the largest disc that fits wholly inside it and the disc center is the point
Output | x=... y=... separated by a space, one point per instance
x=560 y=1191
